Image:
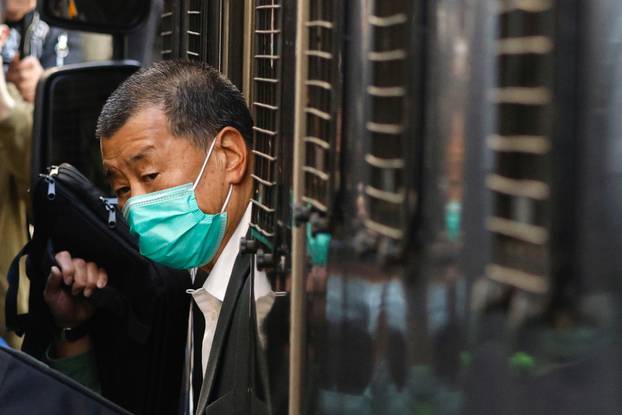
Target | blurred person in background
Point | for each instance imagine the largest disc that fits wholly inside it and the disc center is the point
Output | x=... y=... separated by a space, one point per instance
x=28 y=46
x=33 y=46
x=15 y=139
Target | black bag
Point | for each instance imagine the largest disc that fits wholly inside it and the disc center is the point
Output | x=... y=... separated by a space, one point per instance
x=71 y=214
x=29 y=387
x=139 y=328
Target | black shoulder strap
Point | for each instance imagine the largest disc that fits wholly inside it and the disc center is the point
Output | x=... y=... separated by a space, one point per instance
x=40 y=254
x=15 y=322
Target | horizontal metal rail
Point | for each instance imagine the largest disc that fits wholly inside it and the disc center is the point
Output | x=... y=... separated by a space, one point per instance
x=520 y=279
x=384 y=230
x=532 y=189
x=382 y=163
x=537 y=235
x=387 y=21
x=384 y=195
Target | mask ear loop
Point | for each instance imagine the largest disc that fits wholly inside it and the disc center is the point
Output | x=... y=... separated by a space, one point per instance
x=209 y=153
x=198 y=179
x=224 y=206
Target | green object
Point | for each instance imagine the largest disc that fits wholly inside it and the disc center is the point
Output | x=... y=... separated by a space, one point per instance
x=453 y=218
x=81 y=368
x=317 y=246
x=261 y=238
x=172 y=230
x=522 y=362
x=424 y=408
x=465 y=359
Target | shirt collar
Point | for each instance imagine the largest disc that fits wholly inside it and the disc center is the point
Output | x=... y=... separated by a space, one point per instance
x=218 y=278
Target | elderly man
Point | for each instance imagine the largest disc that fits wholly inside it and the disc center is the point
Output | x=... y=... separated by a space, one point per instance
x=176 y=147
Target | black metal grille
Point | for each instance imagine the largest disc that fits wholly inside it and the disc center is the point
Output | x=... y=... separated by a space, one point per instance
x=520 y=182
x=168 y=30
x=322 y=87
x=387 y=121
x=195 y=39
x=265 y=108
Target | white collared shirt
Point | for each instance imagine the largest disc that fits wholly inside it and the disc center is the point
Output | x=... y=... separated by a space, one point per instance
x=209 y=298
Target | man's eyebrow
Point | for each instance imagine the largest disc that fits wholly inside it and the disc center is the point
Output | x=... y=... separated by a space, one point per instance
x=109 y=174
x=142 y=154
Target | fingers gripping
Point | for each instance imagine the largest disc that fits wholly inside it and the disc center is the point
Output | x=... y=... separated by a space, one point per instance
x=83 y=277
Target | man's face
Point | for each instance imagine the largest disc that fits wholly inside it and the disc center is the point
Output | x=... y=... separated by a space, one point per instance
x=144 y=157
x=17 y=9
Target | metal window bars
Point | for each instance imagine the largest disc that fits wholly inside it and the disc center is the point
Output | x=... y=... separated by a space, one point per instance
x=194 y=32
x=322 y=104
x=265 y=107
x=388 y=123
x=169 y=30
x=521 y=181
x=191 y=29
x=182 y=30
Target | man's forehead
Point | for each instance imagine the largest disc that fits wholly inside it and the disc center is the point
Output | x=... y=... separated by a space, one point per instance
x=134 y=152
x=131 y=156
x=145 y=128
x=128 y=148
x=144 y=136
x=147 y=118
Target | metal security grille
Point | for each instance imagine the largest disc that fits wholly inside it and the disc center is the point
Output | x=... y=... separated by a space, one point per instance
x=521 y=180
x=322 y=108
x=195 y=41
x=207 y=31
x=169 y=29
x=183 y=30
x=387 y=120
x=266 y=70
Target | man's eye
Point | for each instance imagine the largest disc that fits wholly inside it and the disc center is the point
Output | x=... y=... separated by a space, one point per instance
x=150 y=177
x=122 y=191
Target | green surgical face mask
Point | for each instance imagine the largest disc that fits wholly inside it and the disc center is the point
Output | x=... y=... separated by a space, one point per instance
x=171 y=228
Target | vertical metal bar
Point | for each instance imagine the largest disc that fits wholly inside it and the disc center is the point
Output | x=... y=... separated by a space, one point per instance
x=296 y=332
x=249 y=14
x=225 y=25
x=183 y=28
x=213 y=29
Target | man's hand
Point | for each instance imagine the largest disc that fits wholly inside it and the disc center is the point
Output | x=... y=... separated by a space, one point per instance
x=7 y=103
x=71 y=308
x=25 y=74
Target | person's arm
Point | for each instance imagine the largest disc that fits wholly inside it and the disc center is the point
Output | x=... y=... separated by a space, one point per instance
x=25 y=74
x=7 y=102
x=15 y=132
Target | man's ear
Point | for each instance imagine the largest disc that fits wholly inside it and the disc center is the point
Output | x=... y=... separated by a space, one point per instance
x=236 y=154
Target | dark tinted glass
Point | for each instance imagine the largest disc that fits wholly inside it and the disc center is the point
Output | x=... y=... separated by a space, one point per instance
x=72 y=102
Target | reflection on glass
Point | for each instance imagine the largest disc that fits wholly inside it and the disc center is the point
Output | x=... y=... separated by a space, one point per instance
x=370 y=319
x=117 y=12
